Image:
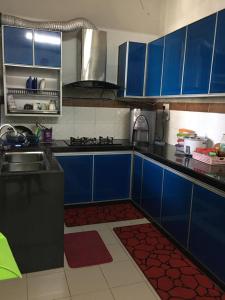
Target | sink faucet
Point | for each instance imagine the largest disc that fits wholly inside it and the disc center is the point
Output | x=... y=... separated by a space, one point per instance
x=9 y=126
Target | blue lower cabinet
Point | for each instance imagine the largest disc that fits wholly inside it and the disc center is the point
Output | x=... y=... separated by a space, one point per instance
x=137 y=179
x=177 y=192
x=207 y=231
x=152 y=189
x=77 y=178
x=112 y=177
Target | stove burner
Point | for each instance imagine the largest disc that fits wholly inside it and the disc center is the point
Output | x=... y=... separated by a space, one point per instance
x=91 y=141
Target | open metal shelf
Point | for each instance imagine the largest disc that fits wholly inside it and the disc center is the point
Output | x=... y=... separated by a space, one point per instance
x=33 y=92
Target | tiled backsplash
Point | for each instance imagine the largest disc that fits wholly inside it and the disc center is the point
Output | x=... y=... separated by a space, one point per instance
x=82 y=121
x=211 y=125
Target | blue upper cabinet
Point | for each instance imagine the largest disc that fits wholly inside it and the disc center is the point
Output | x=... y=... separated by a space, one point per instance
x=47 y=48
x=207 y=231
x=131 y=68
x=176 y=204
x=154 y=68
x=112 y=177
x=198 y=59
x=24 y=46
x=137 y=179
x=218 y=70
x=152 y=189
x=122 y=69
x=18 y=45
x=77 y=178
x=173 y=62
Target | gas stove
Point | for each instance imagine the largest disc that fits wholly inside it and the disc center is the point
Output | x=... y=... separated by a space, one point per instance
x=86 y=141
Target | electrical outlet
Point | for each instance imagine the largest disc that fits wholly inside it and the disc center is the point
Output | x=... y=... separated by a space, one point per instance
x=166 y=107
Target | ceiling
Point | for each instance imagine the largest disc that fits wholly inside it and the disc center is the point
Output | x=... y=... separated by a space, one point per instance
x=142 y=16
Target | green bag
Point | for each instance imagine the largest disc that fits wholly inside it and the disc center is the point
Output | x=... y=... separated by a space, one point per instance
x=8 y=266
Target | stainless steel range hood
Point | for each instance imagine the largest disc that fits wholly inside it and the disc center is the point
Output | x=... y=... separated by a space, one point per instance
x=91 y=60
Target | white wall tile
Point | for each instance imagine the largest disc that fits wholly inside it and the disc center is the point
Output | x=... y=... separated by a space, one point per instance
x=84 y=129
x=84 y=115
x=106 y=115
x=82 y=121
x=104 y=129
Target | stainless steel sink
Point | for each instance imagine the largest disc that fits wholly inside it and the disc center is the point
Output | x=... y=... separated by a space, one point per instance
x=23 y=167
x=24 y=157
x=24 y=162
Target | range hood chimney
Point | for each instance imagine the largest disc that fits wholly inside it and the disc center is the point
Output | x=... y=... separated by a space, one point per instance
x=91 y=60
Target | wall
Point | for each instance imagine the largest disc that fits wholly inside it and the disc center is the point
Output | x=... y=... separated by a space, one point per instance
x=211 y=125
x=82 y=121
x=179 y=13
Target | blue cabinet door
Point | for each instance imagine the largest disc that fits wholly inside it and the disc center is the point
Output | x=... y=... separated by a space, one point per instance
x=47 y=48
x=199 y=48
x=176 y=204
x=18 y=45
x=173 y=62
x=218 y=70
x=154 y=67
x=135 y=69
x=137 y=179
x=152 y=189
x=77 y=178
x=112 y=177
x=122 y=69
x=207 y=232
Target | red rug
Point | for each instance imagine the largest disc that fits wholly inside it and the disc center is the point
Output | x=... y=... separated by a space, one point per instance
x=84 y=249
x=103 y=213
x=172 y=274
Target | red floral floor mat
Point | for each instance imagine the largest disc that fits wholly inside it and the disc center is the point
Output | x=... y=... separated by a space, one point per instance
x=102 y=213
x=169 y=271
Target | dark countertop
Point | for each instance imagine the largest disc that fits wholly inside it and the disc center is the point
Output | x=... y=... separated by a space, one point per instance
x=212 y=175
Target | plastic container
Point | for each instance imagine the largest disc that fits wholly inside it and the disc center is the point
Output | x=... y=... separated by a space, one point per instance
x=8 y=266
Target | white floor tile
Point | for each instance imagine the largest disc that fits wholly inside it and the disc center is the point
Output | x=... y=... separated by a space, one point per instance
x=15 y=289
x=139 y=221
x=73 y=229
x=108 y=236
x=101 y=226
x=119 y=224
x=121 y=273
x=66 y=266
x=117 y=252
x=48 y=287
x=102 y=295
x=46 y=272
x=84 y=280
x=138 y=291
